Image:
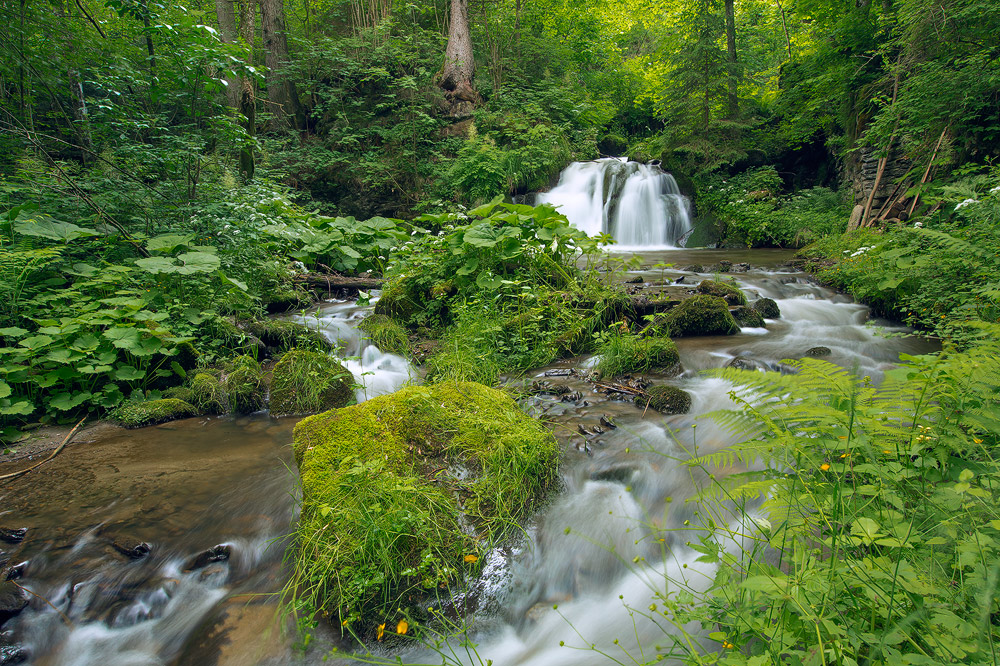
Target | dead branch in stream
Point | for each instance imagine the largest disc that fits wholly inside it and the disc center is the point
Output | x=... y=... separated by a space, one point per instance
x=14 y=475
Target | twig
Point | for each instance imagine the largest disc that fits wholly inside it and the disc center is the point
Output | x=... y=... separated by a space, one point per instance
x=65 y=619
x=14 y=475
x=927 y=172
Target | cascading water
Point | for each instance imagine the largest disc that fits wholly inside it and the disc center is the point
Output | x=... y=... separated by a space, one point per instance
x=639 y=205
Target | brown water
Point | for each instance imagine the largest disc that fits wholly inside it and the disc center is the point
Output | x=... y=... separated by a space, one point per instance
x=188 y=486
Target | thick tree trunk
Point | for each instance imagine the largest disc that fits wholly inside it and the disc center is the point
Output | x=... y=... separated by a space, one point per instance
x=734 y=102
x=226 y=14
x=282 y=99
x=459 y=64
x=248 y=92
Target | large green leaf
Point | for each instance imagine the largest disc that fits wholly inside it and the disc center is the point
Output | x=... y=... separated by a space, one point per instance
x=4 y=389
x=128 y=373
x=156 y=265
x=123 y=337
x=198 y=262
x=67 y=401
x=168 y=242
x=43 y=226
x=21 y=408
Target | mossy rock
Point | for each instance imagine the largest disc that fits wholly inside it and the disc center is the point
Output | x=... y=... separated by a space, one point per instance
x=306 y=382
x=398 y=300
x=767 y=308
x=666 y=400
x=386 y=334
x=286 y=300
x=208 y=394
x=243 y=383
x=730 y=293
x=282 y=335
x=180 y=393
x=621 y=354
x=818 y=352
x=385 y=485
x=236 y=338
x=747 y=317
x=701 y=315
x=132 y=414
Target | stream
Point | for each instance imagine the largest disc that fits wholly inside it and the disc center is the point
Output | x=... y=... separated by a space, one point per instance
x=189 y=486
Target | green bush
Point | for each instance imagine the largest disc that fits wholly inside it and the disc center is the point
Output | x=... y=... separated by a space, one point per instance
x=622 y=353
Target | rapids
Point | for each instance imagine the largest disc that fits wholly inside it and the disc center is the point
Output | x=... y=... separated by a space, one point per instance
x=187 y=486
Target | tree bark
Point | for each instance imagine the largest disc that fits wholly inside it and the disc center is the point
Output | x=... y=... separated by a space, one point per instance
x=226 y=14
x=282 y=99
x=248 y=92
x=734 y=101
x=459 y=64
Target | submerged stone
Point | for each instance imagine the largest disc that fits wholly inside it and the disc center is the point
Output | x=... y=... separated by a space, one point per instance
x=15 y=535
x=817 y=352
x=398 y=493
x=131 y=547
x=306 y=382
x=141 y=414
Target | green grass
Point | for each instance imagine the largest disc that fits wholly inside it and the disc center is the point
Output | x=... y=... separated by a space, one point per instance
x=306 y=382
x=623 y=353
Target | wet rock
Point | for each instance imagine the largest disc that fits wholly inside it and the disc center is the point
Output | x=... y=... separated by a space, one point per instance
x=575 y=396
x=131 y=547
x=694 y=268
x=13 y=600
x=680 y=279
x=560 y=372
x=16 y=572
x=638 y=279
x=741 y=267
x=607 y=422
x=728 y=292
x=817 y=352
x=742 y=363
x=616 y=474
x=666 y=400
x=13 y=535
x=725 y=266
x=767 y=308
x=549 y=388
x=747 y=317
x=11 y=654
x=219 y=553
x=305 y=382
x=701 y=315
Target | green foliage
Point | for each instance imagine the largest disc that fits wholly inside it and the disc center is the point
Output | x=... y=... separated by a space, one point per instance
x=368 y=470
x=306 y=382
x=623 y=352
x=386 y=334
x=208 y=394
x=244 y=385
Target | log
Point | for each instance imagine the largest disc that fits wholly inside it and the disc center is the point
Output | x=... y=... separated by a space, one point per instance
x=331 y=282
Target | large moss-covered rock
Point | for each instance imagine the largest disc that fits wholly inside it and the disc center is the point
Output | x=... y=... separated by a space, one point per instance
x=728 y=292
x=632 y=353
x=208 y=394
x=666 y=400
x=400 y=300
x=767 y=308
x=282 y=335
x=393 y=488
x=132 y=414
x=306 y=382
x=701 y=315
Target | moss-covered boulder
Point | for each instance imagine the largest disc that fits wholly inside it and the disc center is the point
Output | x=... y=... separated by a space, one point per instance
x=666 y=400
x=818 y=352
x=132 y=414
x=728 y=292
x=621 y=354
x=386 y=334
x=243 y=383
x=400 y=300
x=208 y=394
x=393 y=488
x=701 y=315
x=285 y=300
x=767 y=308
x=747 y=317
x=306 y=382
x=282 y=335
x=180 y=393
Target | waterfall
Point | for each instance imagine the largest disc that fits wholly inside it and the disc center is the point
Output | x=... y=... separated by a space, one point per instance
x=639 y=205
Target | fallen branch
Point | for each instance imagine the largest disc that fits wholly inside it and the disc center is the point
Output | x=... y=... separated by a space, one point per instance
x=331 y=282
x=14 y=475
x=65 y=618
x=927 y=172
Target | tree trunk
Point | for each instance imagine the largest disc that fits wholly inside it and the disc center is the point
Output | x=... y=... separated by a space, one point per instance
x=226 y=14
x=459 y=65
x=282 y=99
x=734 y=102
x=248 y=93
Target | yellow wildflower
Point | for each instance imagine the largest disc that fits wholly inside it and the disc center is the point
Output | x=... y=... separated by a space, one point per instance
x=380 y=632
x=825 y=466
x=977 y=440
x=402 y=627
x=471 y=559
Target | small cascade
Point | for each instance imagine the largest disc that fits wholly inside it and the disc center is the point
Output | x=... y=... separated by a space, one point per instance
x=639 y=205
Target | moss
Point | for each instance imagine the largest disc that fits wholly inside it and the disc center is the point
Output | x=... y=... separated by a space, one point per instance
x=243 y=383
x=386 y=334
x=748 y=317
x=305 y=382
x=282 y=335
x=730 y=293
x=666 y=400
x=180 y=393
x=285 y=300
x=386 y=483
x=631 y=353
x=818 y=352
x=767 y=308
x=208 y=394
x=399 y=301
x=140 y=414
x=701 y=315
x=234 y=337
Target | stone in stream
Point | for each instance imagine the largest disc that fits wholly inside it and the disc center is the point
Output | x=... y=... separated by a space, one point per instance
x=13 y=600
x=11 y=654
x=700 y=315
x=817 y=352
x=666 y=400
x=728 y=292
x=767 y=308
x=16 y=572
x=219 y=553
x=747 y=317
x=131 y=547
x=13 y=535
x=560 y=372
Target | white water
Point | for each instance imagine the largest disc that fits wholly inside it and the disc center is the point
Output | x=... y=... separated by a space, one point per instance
x=639 y=205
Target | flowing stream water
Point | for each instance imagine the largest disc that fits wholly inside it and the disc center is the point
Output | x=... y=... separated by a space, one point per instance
x=187 y=486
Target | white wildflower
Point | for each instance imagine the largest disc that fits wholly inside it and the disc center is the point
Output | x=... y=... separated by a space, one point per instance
x=995 y=190
x=967 y=202
x=918 y=225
